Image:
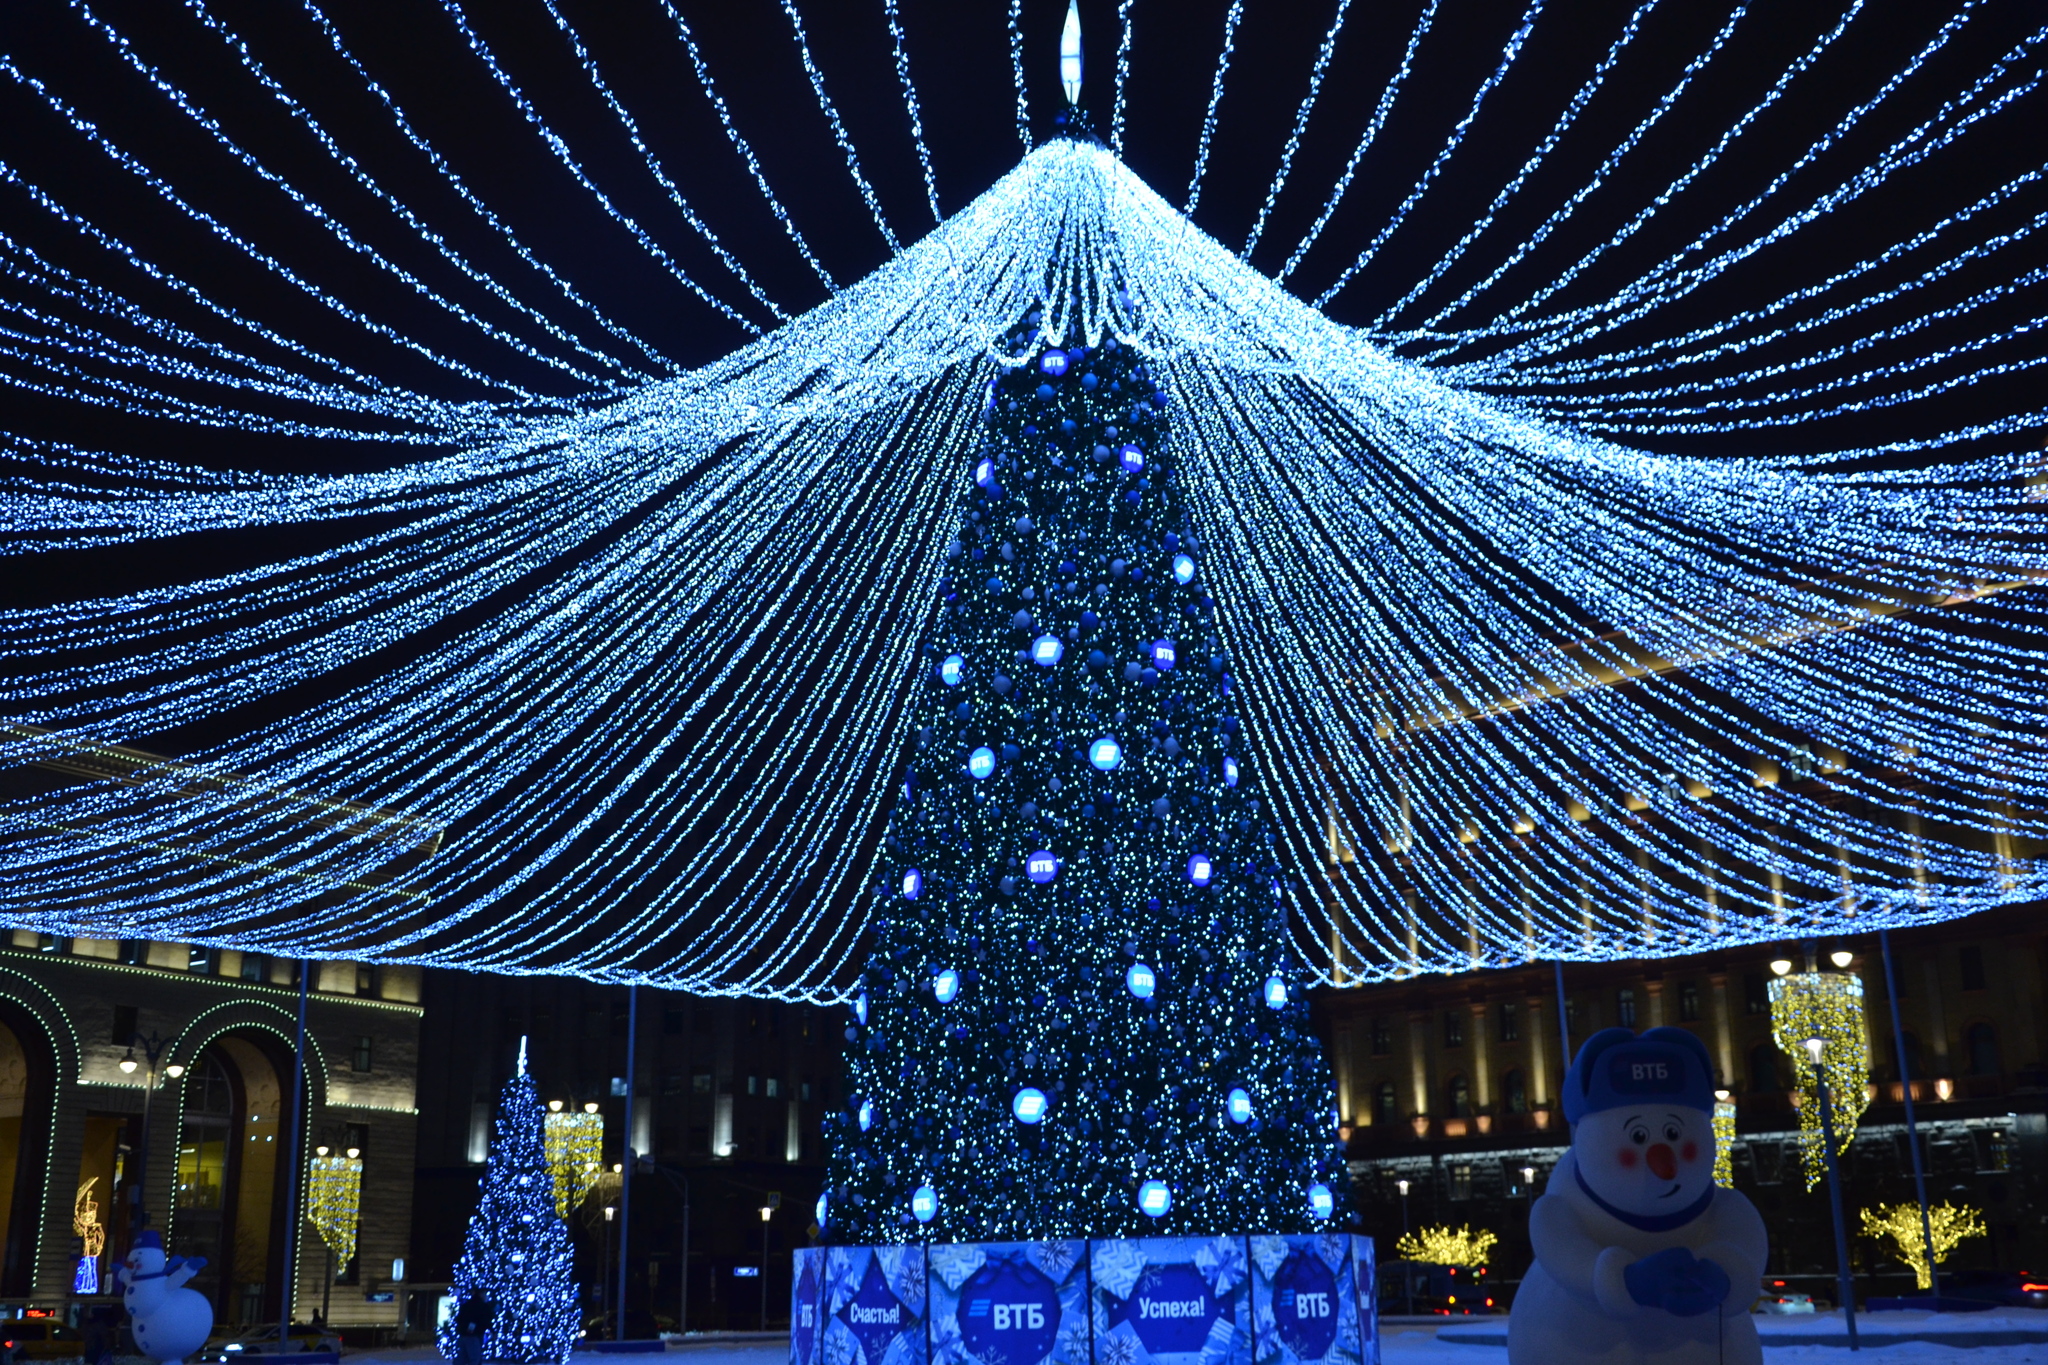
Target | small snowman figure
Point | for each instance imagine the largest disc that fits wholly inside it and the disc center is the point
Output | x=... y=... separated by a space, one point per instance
x=1640 y=1258
x=169 y=1321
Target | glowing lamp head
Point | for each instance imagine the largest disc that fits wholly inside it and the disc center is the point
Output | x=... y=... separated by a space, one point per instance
x=952 y=670
x=913 y=884
x=1276 y=992
x=1140 y=981
x=1321 y=1203
x=924 y=1204
x=1029 y=1105
x=1163 y=652
x=1229 y=772
x=985 y=474
x=1106 y=753
x=981 y=762
x=945 y=986
x=1201 y=870
x=1183 y=569
x=1154 y=1199
x=860 y=1008
x=1041 y=867
x=866 y=1115
x=1238 y=1106
x=1046 y=650
x=1842 y=957
x=174 y=1070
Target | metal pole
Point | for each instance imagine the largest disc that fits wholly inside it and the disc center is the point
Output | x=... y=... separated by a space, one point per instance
x=1564 y=1025
x=1891 y=990
x=140 y=1218
x=292 y=1164
x=764 y=1274
x=1827 y=1136
x=626 y=1146
x=1407 y=1267
x=683 y=1322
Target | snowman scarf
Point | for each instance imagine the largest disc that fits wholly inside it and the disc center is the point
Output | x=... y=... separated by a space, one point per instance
x=1656 y=1222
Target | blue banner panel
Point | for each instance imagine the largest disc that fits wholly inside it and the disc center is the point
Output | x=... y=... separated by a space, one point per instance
x=873 y=1300
x=1304 y=1301
x=804 y=1290
x=1010 y=1303
x=1365 y=1280
x=1170 y=1301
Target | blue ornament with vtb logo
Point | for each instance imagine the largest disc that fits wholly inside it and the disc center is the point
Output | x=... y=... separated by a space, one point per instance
x=1009 y=1313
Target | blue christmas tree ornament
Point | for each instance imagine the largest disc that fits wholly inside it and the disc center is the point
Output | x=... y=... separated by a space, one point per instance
x=1141 y=981
x=1053 y=363
x=945 y=986
x=981 y=762
x=1201 y=871
x=1154 y=1199
x=1321 y=1202
x=1276 y=993
x=913 y=883
x=985 y=474
x=1046 y=651
x=1105 y=753
x=952 y=670
x=1131 y=458
x=1229 y=772
x=860 y=1008
x=1029 y=1105
x=866 y=1115
x=821 y=1213
x=1163 y=652
x=1041 y=867
x=1238 y=1105
x=924 y=1204
x=1183 y=569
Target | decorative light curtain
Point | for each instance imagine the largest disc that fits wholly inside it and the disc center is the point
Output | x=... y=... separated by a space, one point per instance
x=1828 y=1006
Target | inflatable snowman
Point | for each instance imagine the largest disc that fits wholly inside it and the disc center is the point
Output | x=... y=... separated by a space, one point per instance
x=1640 y=1258
x=169 y=1321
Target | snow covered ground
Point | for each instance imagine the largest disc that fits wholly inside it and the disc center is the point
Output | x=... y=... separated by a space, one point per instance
x=1402 y=1345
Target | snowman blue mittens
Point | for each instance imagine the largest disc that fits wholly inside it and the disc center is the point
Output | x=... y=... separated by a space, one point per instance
x=1673 y=1280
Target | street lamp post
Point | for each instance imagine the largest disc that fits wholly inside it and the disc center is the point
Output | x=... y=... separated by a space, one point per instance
x=152 y=1048
x=767 y=1212
x=604 y=1285
x=1407 y=1271
x=1844 y=1285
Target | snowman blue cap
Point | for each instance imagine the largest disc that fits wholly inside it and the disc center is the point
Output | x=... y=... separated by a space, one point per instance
x=148 y=1237
x=1618 y=1067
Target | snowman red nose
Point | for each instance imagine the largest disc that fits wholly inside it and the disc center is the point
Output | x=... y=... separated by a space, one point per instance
x=1663 y=1164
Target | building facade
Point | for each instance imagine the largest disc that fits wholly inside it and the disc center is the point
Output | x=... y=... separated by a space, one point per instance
x=1452 y=1083
x=153 y=1079
x=729 y=1106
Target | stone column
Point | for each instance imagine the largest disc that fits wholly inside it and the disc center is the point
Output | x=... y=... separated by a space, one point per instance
x=1539 y=1054
x=1724 y=1046
x=1482 y=1071
x=1937 y=1022
x=1418 y=1060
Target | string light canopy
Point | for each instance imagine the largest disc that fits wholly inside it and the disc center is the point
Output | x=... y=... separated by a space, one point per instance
x=1527 y=669
x=1827 y=1006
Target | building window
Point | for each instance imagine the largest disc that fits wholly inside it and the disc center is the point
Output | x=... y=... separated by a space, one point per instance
x=255 y=967
x=1458 y=1098
x=132 y=951
x=753 y=1085
x=700 y=1082
x=1981 y=1043
x=1454 y=1028
x=1756 y=996
x=366 y=979
x=1461 y=1181
x=773 y=1087
x=1766 y=1160
x=1383 y=1103
x=202 y=960
x=124 y=1026
x=1973 y=968
x=1688 y=1002
x=360 y=1061
x=672 y=1083
x=1625 y=1007
x=1763 y=1069
x=1991 y=1149
x=1510 y=1022
x=804 y=1090
x=1912 y=1059
x=1515 y=1092
x=1382 y=1036
x=618 y=1087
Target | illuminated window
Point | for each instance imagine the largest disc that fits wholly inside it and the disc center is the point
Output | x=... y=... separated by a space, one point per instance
x=1454 y=1028
x=1510 y=1022
x=1625 y=1007
x=1688 y=1002
x=361 y=1060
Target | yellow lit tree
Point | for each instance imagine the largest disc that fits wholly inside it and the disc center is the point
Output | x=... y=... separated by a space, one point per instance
x=1827 y=1006
x=574 y=1144
x=1950 y=1225
x=1447 y=1246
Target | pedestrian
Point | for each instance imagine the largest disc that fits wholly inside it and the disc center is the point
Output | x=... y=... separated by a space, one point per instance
x=472 y=1320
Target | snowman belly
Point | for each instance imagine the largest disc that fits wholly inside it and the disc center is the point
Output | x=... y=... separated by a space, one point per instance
x=1550 y=1325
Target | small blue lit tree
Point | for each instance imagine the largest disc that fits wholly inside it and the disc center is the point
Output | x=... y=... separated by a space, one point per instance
x=516 y=1255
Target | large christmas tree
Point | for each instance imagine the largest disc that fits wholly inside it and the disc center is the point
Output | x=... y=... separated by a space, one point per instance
x=516 y=1255
x=1080 y=1017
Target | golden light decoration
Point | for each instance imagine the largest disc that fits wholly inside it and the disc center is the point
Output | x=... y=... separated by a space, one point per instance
x=574 y=1143
x=334 y=1198
x=1724 y=1139
x=1827 y=1006
x=1950 y=1225
x=85 y=1220
x=1459 y=1246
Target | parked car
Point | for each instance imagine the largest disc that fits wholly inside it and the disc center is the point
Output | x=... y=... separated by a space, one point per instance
x=1783 y=1301
x=40 y=1339
x=2007 y=1288
x=258 y=1341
